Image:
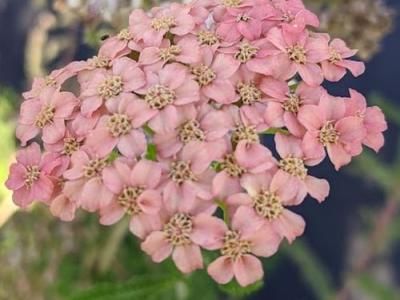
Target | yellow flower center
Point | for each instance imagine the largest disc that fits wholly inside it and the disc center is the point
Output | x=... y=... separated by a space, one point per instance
x=32 y=174
x=294 y=166
x=234 y=247
x=328 y=134
x=297 y=54
x=267 y=205
x=45 y=116
x=180 y=172
x=159 y=96
x=178 y=229
x=119 y=124
x=128 y=200
x=111 y=87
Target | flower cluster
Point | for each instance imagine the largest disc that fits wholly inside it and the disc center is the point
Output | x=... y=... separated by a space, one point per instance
x=166 y=124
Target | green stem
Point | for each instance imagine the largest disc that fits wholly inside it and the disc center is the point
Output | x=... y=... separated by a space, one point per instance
x=276 y=130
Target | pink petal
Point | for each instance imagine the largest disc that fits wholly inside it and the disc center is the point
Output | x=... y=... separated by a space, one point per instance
x=221 y=270
x=208 y=231
x=187 y=258
x=156 y=246
x=248 y=269
x=317 y=188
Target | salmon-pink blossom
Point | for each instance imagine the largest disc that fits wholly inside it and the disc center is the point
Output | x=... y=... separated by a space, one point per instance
x=240 y=245
x=106 y=86
x=285 y=103
x=169 y=123
x=269 y=202
x=297 y=52
x=186 y=228
x=46 y=114
x=134 y=188
x=373 y=119
x=31 y=176
x=328 y=127
x=335 y=67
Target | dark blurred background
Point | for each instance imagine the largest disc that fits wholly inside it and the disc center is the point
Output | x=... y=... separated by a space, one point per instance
x=351 y=247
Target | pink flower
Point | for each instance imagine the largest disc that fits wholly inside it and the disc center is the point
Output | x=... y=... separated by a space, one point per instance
x=328 y=127
x=134 y=187
x=46 y=114
x=284 y=103
x=117 y=46
x=31 y=177
x=292 y=179
x=166 y=90
x=247 y=158
x=250 y=54
x=373 y=119
x=269 y=204
x=297 y=52
x=101 y=85
x=175 y=19
x=294 y=13
x=185 y=230
x=67 y=145
x=63 y=208
x=52 y=81
x=188 y=176
x=239 y=247
x=213 y=76
x=84 y=184
x=334 y=68
x=204 y=124
x=119 y=129
x=186 y=51
x=244 y=22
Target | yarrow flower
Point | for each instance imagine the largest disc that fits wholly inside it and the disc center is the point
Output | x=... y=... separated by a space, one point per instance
x=165 y=126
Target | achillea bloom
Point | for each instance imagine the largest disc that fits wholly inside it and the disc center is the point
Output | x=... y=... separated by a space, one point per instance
x=246 y=22
x=328 y=127
x=373 y=119
x=31 y=176
x=186 y=51
x=248 y=158
x=269 y=204
x=284 y=104
x=106 y=86
x=46 y=114
x=185 y=230
x=239 y=247
x=165 y=90
x=188 y=176
x=213 y=75
x=84 y=183
x=175 y=19
x=292 y=176
x=118 y=130
x=294 y=13
x=336 y=66
x=297 y=52
x=169 y=124
x=203 y=124
x=134 y=189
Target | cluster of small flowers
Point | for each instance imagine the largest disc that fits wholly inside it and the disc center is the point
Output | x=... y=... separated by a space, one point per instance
x=199 y=83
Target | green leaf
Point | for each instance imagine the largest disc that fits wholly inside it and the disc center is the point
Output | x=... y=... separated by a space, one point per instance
x=233 y=289
x=147 y=130
x=381 y=174
x=113 y=156
x=376 y=289
x=312 y=270
x=224 y=207
x=276 y=130
x=140 y=287
x=151 y=153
